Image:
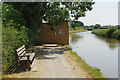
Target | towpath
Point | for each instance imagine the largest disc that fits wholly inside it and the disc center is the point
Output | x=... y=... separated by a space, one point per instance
x=53 y=62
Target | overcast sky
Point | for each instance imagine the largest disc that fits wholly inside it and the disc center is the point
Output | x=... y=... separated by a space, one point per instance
x=105 y=12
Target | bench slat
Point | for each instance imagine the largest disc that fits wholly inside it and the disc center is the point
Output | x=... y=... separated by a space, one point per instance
x=20 y=48
x=21 y=52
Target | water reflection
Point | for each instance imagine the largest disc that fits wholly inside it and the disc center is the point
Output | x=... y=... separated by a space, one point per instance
x=75 y=37
x=113 y=46
x=108 y=40
x=112 y=43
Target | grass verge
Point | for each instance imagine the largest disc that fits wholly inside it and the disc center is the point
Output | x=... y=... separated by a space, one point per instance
x=94 y=72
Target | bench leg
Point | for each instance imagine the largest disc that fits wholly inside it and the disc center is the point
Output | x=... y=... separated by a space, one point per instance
x=28 y=65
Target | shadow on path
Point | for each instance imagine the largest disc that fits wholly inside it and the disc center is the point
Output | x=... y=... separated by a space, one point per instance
x=41 y=53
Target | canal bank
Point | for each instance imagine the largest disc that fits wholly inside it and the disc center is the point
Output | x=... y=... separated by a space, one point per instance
x=76 y=30
x=97 y=52
x=78 y=62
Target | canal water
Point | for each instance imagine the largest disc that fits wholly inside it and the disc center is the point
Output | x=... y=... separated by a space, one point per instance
x=97 y=52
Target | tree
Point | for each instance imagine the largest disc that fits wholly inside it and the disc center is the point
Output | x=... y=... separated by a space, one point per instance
x=118 y=26
x=76 y=24
x=79 y=23
x=32 y=14
x=97 y=26
x=73 y=24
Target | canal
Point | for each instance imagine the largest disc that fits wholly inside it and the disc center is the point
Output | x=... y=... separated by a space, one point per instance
x=97 y=52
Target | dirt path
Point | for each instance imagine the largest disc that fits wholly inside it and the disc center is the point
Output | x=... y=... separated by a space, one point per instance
x=53 y=63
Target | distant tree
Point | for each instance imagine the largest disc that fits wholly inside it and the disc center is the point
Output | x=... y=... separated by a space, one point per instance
x=118 y=26
x=76 y=24
x=97 y=26
x=80 y=24
x=91 y=26
x=72 y=23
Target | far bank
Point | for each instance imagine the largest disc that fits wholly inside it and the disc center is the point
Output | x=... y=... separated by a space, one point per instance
x=111 y=32
x=76 y=30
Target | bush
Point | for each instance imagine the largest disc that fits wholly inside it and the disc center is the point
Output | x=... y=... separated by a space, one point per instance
x=100 y=32
x=111 y=30
x=116 y=34
x=11 y=40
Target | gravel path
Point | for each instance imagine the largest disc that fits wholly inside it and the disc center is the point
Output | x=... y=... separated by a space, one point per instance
x=53 y=66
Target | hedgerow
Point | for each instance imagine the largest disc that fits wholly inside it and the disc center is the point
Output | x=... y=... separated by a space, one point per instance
x=12 y=39
x=111 y=32
x=14 y=35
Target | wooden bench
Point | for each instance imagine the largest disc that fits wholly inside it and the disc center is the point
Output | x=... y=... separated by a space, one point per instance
x=26 y=55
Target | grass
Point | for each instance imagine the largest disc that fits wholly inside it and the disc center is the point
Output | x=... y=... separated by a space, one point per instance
x=94 y=72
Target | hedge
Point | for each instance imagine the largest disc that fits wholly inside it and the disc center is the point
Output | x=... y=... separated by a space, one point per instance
x=12 y=39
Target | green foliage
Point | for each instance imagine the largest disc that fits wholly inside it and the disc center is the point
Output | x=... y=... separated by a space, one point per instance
x=11 y=17
x=52 y=12
x=116 y=34
x=72 y=23
x=89 y=28
x=78 y=28
x=75 y=24
x=14 y=35
x=100 y=32
x=111 y=32
x=78 y=9
x=97 y=26
x=68 y=47
x=12 y=38
x=71 y=29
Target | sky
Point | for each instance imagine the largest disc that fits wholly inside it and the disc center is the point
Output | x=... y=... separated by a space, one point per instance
x=104 y=12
